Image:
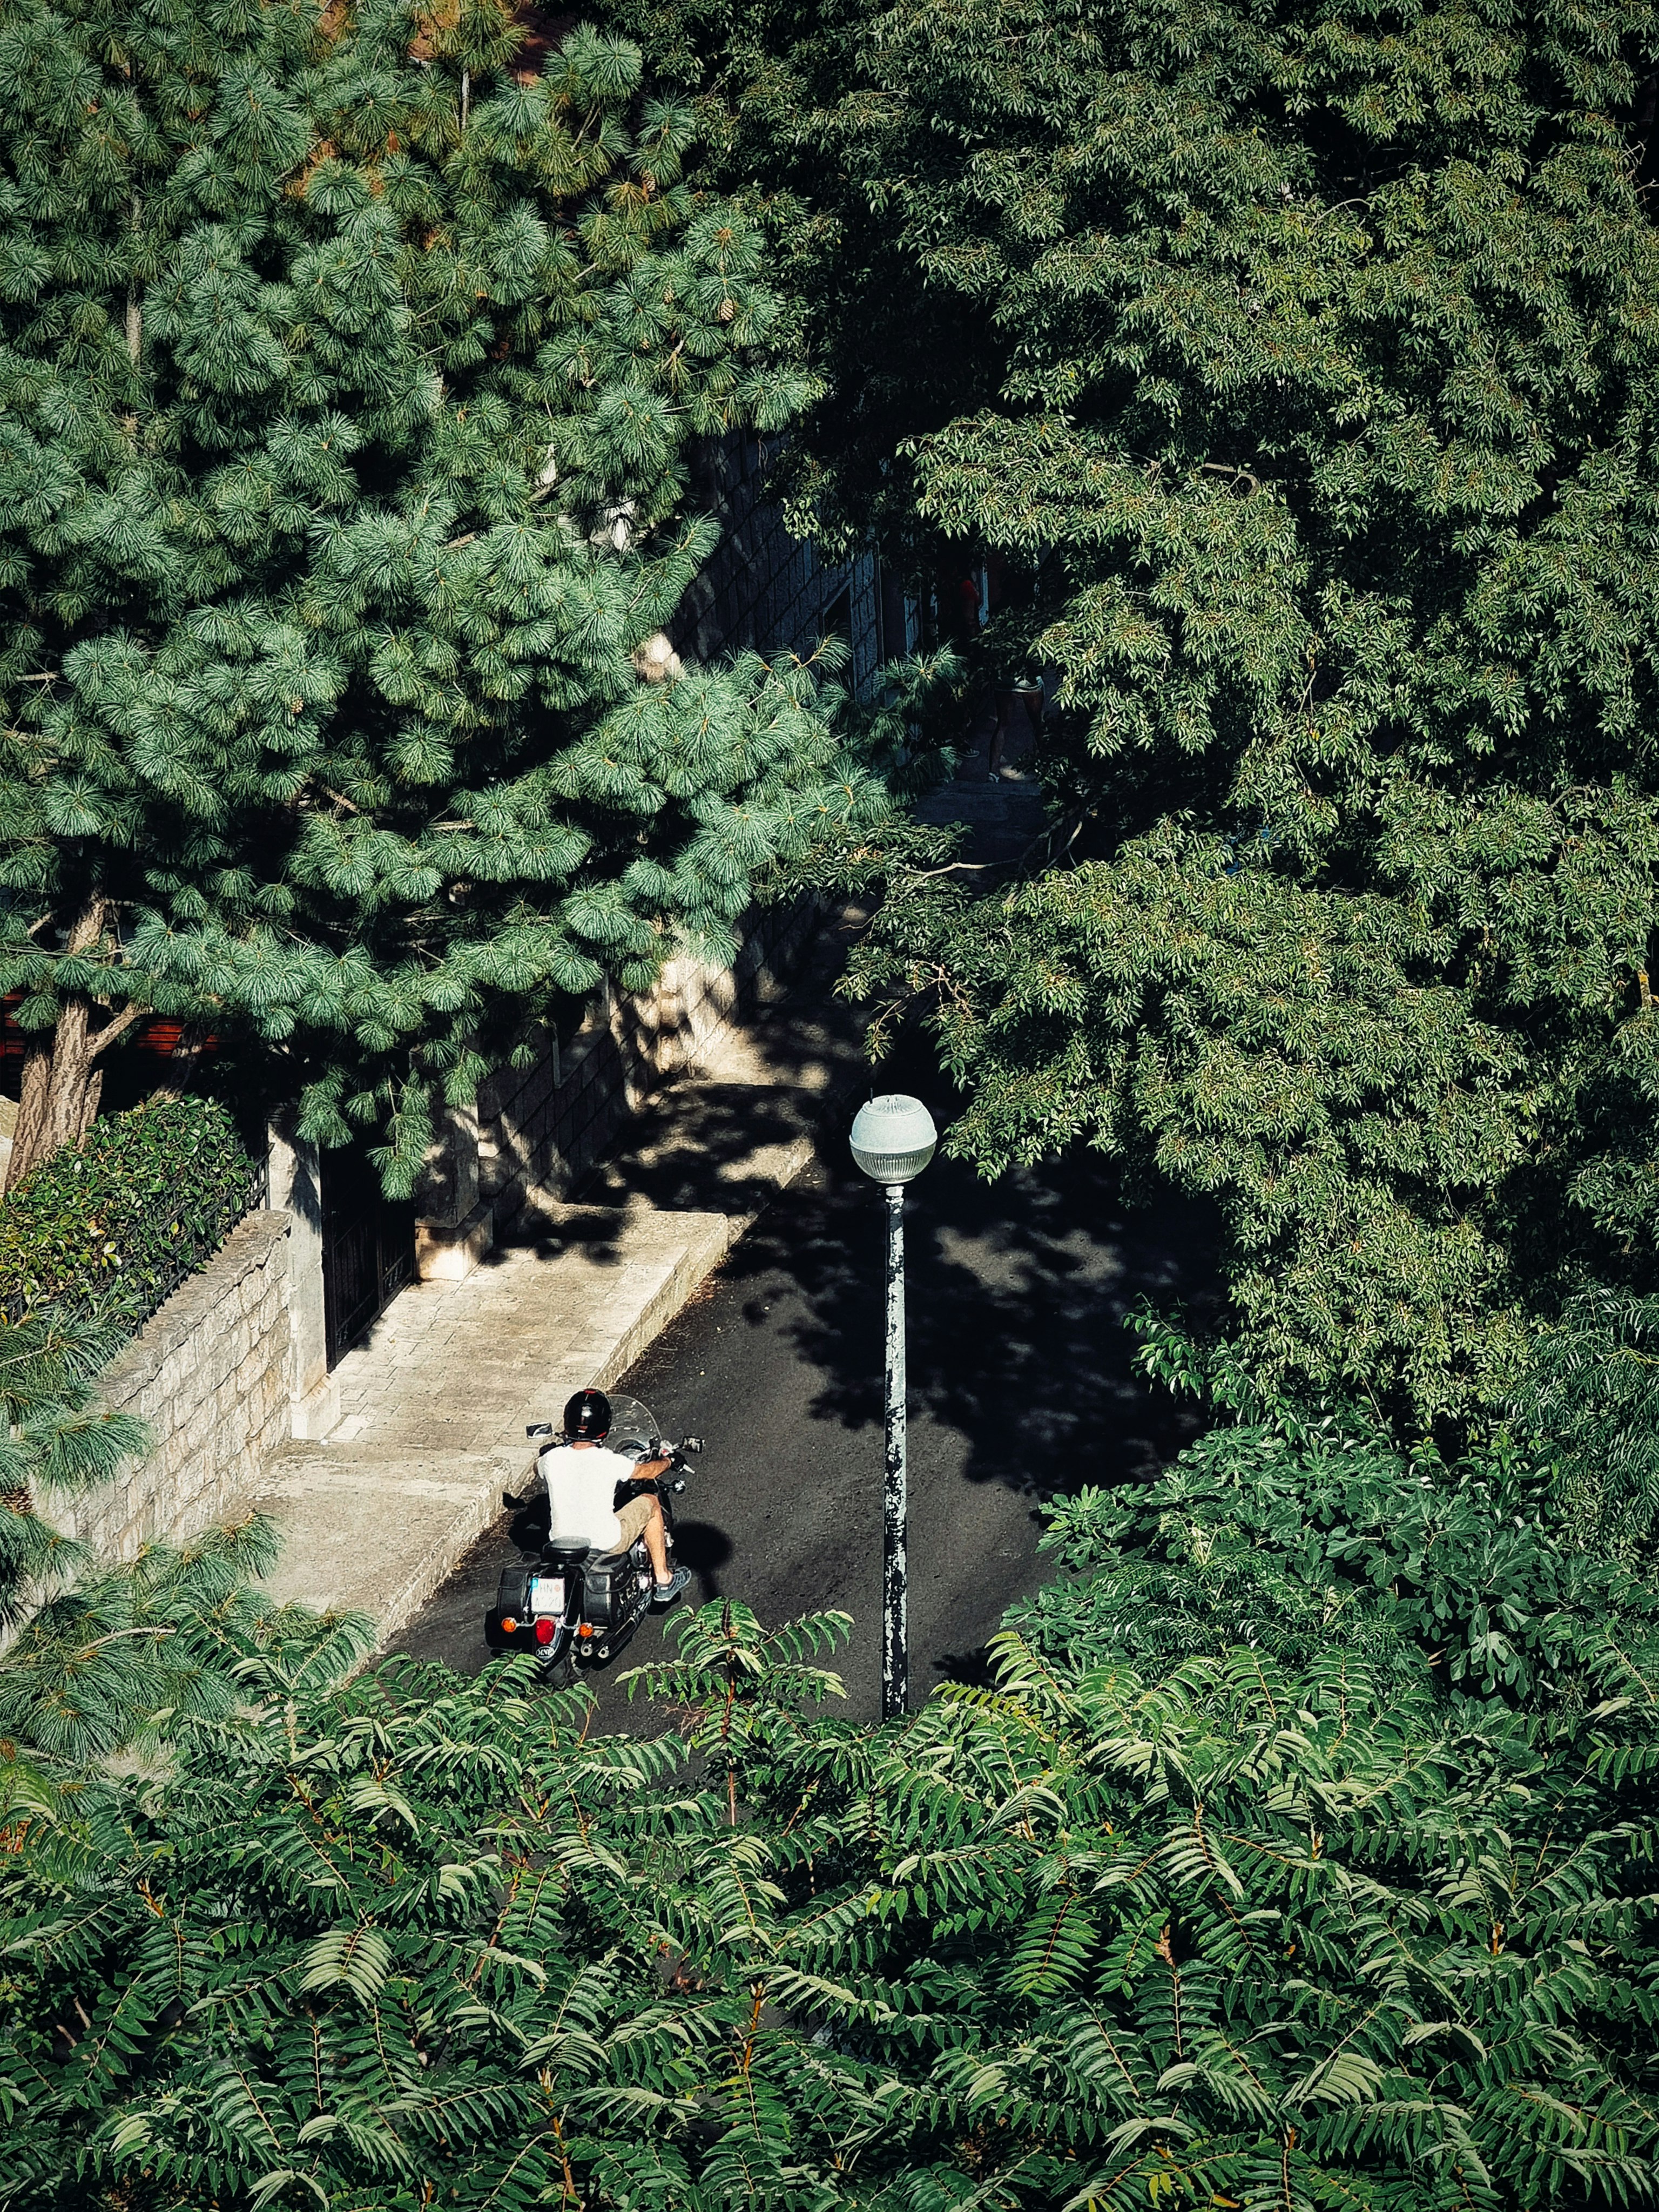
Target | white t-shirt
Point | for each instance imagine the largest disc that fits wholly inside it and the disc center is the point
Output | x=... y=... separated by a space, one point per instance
x=580 y=1485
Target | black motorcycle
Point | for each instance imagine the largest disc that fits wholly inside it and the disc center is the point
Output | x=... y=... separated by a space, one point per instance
x=570 y=1604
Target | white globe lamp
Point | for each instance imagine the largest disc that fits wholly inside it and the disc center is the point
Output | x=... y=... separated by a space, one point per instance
x=893 y=1139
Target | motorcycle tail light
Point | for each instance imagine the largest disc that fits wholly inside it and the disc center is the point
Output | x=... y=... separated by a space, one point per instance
x=543 y=1632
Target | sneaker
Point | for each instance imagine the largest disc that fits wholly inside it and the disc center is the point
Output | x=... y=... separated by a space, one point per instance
x=666 y=1593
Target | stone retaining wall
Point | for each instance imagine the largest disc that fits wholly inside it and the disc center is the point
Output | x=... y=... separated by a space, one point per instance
x=209 y=1375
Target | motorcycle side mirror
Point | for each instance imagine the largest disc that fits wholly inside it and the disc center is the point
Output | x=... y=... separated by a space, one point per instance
x=539 y=1428
x=691 y=1443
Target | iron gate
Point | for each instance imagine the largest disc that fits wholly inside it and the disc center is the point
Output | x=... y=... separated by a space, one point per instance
x=368 y=1248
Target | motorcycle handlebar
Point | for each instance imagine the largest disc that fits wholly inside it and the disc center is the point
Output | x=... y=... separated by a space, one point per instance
x=692 y=1444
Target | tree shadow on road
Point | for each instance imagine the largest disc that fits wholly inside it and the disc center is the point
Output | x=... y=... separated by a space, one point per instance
x=1017 y=1292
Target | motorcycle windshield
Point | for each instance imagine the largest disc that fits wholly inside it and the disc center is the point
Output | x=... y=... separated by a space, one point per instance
x=633 y=1431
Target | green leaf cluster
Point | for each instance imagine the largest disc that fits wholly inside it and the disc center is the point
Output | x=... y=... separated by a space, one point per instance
x=1291 y=1539
x=123 y=1658
x=1301 y=361
x=1588 y=1386
x=58 y=1440
x=1218 y=1931
x=106 y=1231
x=100 y=1658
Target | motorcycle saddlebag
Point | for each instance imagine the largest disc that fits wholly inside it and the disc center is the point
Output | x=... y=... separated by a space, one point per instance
x=602 y=1587
x=511 y=1602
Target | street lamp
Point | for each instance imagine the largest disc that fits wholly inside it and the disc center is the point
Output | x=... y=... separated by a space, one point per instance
x=893 y=1140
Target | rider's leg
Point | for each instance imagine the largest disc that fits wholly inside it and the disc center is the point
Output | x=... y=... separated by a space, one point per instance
x=656 y=1542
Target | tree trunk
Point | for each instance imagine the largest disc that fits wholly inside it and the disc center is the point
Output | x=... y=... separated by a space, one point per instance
x=56 y=1080
x=31 y=1109
x=61 y=1079
x=92 y=1097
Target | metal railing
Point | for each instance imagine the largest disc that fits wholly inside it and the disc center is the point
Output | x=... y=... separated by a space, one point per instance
x=256 y=1197
x=129 y=1297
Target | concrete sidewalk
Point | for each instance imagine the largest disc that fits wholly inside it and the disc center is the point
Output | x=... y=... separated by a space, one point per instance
x=435 y=1400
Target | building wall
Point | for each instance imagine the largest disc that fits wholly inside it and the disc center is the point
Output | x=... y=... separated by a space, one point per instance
x=210 y=1374
x=540 y=1129
x=766 y=589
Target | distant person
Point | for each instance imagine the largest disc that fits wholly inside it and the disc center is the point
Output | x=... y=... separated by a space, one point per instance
x=960 y=602
x=1020 y=701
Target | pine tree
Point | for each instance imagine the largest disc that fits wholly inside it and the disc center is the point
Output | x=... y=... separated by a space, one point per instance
x=59 y=1443
x=347 y=366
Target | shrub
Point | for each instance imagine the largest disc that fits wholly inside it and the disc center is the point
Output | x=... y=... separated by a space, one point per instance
x=1300 y=1545
x=1219 y=1934
x=55 y=1437
x=108 y=1230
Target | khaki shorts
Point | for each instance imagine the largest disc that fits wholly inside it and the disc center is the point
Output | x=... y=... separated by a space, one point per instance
x=631 y=1519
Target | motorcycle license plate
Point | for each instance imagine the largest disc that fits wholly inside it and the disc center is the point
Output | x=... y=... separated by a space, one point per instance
x=547 y=1594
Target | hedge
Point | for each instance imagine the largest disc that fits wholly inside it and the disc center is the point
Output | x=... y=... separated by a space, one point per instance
x=109 y=1229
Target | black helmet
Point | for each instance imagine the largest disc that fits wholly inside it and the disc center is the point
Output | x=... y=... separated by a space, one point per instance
x=587 y=1417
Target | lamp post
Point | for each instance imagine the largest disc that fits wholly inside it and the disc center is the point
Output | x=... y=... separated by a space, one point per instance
x=893 y=1140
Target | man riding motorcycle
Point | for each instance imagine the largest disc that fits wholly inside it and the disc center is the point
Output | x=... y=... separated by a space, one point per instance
x=582 y=1477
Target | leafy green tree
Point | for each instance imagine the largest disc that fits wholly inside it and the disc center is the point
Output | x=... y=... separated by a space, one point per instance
x=1222 y=1933
x=1589 y=1388
x=121 y=1659
x=347 y=366
x=1297 y=1536
x=1303 y=361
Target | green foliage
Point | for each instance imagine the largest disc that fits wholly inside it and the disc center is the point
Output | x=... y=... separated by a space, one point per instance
x=741 y=1686
x=1299 y=1545
x=57 y=1440
x=346 y=372
x=1589 y=1387
x=1303 y=360
x=128 y=1656
x=100 y=1659
x=105 y=1230
x=1298 y=1531
x=1224 y=1934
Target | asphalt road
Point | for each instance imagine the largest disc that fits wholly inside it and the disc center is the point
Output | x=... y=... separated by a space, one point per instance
x=1020 y=1386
